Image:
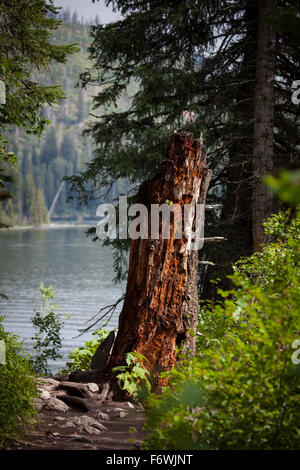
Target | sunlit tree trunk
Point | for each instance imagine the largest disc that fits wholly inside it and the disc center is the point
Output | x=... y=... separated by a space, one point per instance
x=160 y=311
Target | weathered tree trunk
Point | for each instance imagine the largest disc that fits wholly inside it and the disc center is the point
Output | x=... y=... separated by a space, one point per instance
x=263 y=119
x=190 y=306
x=235 y=220
x=160 y=311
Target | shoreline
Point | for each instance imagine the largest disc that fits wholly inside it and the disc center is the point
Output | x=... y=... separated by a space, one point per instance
x=48 y=226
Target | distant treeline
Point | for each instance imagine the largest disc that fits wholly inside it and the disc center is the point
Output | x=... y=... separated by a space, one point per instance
x=73 y=17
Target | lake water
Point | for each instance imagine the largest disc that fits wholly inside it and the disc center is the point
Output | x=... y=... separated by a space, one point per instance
x=80 y=271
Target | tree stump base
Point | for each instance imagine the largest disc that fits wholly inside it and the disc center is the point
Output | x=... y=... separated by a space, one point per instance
x=160 y=311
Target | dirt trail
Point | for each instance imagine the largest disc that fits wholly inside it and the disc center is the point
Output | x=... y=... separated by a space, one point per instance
x=123 y=429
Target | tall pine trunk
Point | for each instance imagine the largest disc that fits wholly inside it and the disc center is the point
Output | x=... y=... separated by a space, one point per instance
x=263 y=119
x=235 y=222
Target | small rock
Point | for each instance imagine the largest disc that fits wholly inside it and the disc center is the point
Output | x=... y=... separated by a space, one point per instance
x=88 y=421
x=45 y=395
x=100 y=426
x=130 y=405
x=123 y=414
x=58 y=393
x=138 y=444
x=41 y=381
x=49 y=384
x=49 y=388
x=57 y=405
x=52 y=382
x=67 y=424
x=93 y=387
x=88 y=424
x=91 y=430
x=59 y=418
x=118 y=409
x=38 y=403
x=46 y=382
x=102 y=416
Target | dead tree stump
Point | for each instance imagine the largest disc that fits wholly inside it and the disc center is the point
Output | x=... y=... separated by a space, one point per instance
x=160 y=311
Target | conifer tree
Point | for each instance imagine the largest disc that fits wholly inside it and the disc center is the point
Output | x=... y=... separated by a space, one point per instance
x=200 y=56
x=25 y=162
x=39 y=211
x=29 y=195
x=50 y=149
x=26 y=47
x=34 y=156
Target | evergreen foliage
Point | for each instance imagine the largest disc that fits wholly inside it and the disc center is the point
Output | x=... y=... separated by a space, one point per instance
x=62 y=151
x=25 y=38
x=26 y=47
x=194 y=67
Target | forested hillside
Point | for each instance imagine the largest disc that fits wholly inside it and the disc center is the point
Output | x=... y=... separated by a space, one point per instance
x=62 y=150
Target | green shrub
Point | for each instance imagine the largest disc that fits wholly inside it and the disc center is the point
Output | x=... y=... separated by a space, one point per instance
x=242 y=389
x=134 y=376
x=286 y=186
x=18 y=388
x=80 y=358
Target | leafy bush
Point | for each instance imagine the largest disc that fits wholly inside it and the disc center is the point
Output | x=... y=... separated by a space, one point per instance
x=47 y=339
x=134 y=376
x=242 y=390
x=18 y=388
x=286 y=186
x=80 y=358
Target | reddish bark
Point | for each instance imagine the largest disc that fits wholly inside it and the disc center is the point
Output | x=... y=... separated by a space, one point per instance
x=161 y=302
x=160 y=309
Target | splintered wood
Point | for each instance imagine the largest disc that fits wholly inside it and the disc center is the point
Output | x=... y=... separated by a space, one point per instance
x=160 y=310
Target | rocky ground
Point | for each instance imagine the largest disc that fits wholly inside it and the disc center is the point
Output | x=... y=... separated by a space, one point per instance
x=73 y=416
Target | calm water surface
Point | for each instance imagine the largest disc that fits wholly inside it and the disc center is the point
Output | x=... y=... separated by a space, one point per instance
x=79 y=270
